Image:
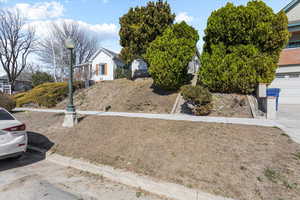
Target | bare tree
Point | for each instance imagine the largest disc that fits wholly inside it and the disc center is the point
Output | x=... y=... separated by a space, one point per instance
x=52 y=51
x=16 y=43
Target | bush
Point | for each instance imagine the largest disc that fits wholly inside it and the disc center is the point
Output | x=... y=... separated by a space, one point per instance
x=169 y=55
x=200 y=98
x=7 y=102
x=242 y=47
x=123 y=73
x=236 y=70
x=47 y=94
x=39 y=78
x=141 y=25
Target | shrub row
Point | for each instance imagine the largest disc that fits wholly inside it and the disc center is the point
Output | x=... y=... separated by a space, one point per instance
x=46 y=95
x=7 y=102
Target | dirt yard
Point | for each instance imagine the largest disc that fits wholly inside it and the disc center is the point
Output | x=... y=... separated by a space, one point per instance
x=123 y=95
x=231 y=105
x=241 y=162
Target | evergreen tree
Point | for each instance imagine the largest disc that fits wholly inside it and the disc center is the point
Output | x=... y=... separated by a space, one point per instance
x=169 y=55
x=141 y=25
x=242 y=47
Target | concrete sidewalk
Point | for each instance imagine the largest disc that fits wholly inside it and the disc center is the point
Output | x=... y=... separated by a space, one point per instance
x=174 y=117
x=34 y=178
x=289 y=117
x=154 y=186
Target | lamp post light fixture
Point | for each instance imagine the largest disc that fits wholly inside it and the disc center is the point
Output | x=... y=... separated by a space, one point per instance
x=70 y=115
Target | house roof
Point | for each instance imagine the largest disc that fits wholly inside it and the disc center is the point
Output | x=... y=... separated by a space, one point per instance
x=291 y=5
x=108 y=52
x=289 y=57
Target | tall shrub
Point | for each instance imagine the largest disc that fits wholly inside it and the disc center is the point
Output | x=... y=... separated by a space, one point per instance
x=39 y=78
x=141 y=25
x=169 y=55
x=242 y=47
x=7 y=102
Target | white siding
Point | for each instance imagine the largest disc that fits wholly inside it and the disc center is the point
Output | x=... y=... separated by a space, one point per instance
x=139 y=68
x=294 y=14
x=290 y=90
x=138 y=65
x=288 y=69
x=103 y=58
x=194 y=65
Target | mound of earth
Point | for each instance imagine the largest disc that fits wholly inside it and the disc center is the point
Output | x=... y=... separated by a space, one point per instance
x=123 y=95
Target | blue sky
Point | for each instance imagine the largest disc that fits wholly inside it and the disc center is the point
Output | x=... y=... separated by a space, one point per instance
x=102 y=16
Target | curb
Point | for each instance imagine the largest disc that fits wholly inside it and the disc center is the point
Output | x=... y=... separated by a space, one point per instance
x=165 y=189
x=176 y=103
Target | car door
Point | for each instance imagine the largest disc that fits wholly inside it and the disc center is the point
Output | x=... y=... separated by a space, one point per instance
x=7 y=121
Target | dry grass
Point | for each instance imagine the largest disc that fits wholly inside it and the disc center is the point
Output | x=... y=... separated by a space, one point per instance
x=231 y=105
x=242 y=162
x=123 y=95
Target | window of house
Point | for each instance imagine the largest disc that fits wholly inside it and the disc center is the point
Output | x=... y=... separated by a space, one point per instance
x=102 y=69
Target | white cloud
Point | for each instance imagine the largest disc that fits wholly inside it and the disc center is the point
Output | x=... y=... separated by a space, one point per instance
x=183 y=16
x=42 y=10
x=102 y=31
x=42 y=15
x=105 y=1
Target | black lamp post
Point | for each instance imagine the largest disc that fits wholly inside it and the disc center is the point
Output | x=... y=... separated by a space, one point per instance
x=70 y=117
x=69 y=43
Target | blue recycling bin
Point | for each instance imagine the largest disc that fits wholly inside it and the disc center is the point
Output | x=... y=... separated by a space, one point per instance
x=274 y=92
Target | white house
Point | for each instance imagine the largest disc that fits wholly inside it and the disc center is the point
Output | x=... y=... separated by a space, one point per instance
x=194 y=65
x=103 y=64
x=100 y=67
x=5 y=87
x=139 y=68
x=288 y=72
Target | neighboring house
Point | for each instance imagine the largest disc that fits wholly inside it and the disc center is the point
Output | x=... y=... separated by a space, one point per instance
x=100 y=67
x=21 y=85
x=103 y=64
x=139 y=67
x=5 y=87
x=288 y=72
x=194 y=65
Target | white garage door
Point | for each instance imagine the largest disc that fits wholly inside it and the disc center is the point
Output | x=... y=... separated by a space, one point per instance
x=290 y=90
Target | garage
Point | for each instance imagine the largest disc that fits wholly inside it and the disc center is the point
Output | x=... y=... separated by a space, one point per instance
x=288 y=74
x=290 y=89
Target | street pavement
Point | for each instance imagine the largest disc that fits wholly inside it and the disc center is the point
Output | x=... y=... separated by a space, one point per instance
x=33 y=178
x=289 y=116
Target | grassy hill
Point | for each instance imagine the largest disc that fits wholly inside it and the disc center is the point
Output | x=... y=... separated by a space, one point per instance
x=123 y=95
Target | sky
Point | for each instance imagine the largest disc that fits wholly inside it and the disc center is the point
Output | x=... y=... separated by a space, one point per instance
x=101 y=17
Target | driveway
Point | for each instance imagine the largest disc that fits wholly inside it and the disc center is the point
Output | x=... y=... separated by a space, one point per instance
x=289 y=116
x=33 y=178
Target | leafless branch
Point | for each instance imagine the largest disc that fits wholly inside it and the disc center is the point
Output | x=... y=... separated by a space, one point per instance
x=16 y=43
x=51 y=50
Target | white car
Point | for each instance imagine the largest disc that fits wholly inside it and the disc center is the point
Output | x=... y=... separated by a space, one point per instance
x=13 y=137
